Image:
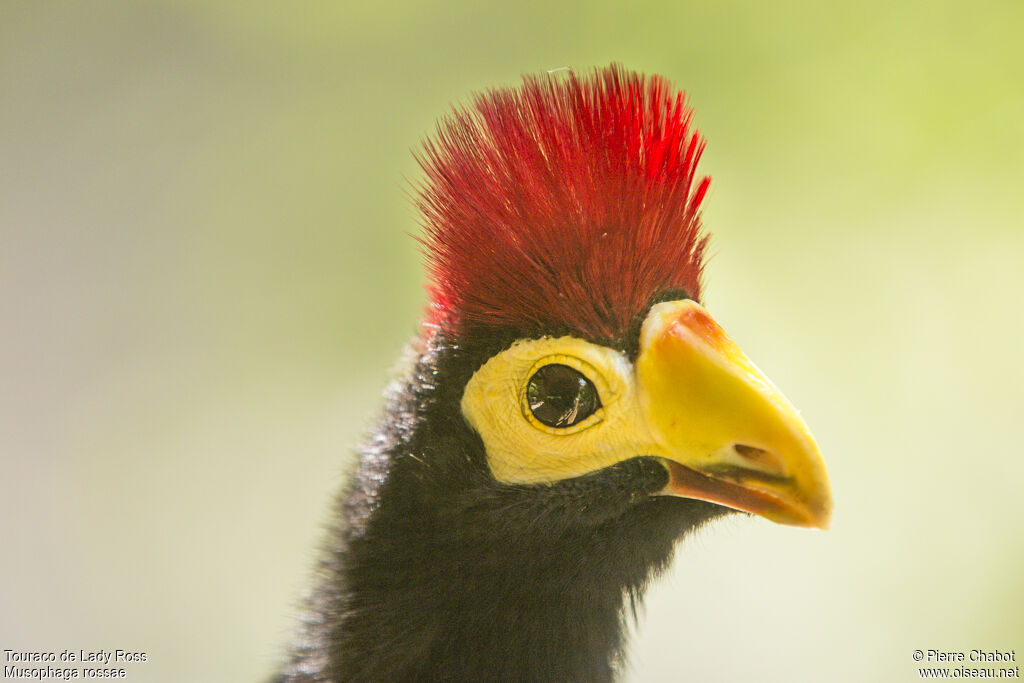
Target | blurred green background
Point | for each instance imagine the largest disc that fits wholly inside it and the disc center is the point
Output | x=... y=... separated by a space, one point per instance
x=206 y=276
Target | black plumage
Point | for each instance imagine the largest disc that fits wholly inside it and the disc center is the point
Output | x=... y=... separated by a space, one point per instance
x=438 y=572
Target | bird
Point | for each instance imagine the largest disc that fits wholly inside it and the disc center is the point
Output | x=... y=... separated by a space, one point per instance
x=568 y=411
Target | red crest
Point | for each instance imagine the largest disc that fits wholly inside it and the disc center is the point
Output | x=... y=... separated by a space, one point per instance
x=568 y=202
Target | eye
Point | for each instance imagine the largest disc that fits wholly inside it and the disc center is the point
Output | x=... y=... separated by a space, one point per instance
x=560 y=396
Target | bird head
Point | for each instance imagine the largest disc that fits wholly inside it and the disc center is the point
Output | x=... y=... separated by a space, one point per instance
x=572 y=409
x=562 y=228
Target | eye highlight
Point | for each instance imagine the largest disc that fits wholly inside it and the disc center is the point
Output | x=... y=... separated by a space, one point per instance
x=561 y=396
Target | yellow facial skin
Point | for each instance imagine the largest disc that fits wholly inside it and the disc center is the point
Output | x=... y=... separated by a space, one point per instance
x=692 y=398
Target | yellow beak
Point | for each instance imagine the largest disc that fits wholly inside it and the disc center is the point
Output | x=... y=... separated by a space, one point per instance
x=724 y=431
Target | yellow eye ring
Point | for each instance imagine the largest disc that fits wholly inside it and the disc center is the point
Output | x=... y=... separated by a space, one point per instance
x=589 y=373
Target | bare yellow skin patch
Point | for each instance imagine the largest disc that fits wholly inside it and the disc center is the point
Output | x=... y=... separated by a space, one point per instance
x=693 y=399
x=522 y=450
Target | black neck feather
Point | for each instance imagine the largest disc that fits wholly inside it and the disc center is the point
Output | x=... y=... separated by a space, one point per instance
x=435 y=571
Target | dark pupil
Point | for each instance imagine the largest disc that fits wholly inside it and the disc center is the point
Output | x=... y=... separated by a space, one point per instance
x=560 y=396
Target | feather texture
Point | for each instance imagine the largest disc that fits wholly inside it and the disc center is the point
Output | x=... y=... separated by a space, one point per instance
x=567 y=202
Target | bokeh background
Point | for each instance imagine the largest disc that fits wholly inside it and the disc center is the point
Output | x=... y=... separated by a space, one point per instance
x=206 y=275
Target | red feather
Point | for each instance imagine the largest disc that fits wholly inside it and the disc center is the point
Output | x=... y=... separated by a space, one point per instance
x=566 y=202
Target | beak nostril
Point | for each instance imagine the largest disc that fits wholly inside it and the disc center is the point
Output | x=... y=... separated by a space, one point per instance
x=760 y=458
x=750 y=452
